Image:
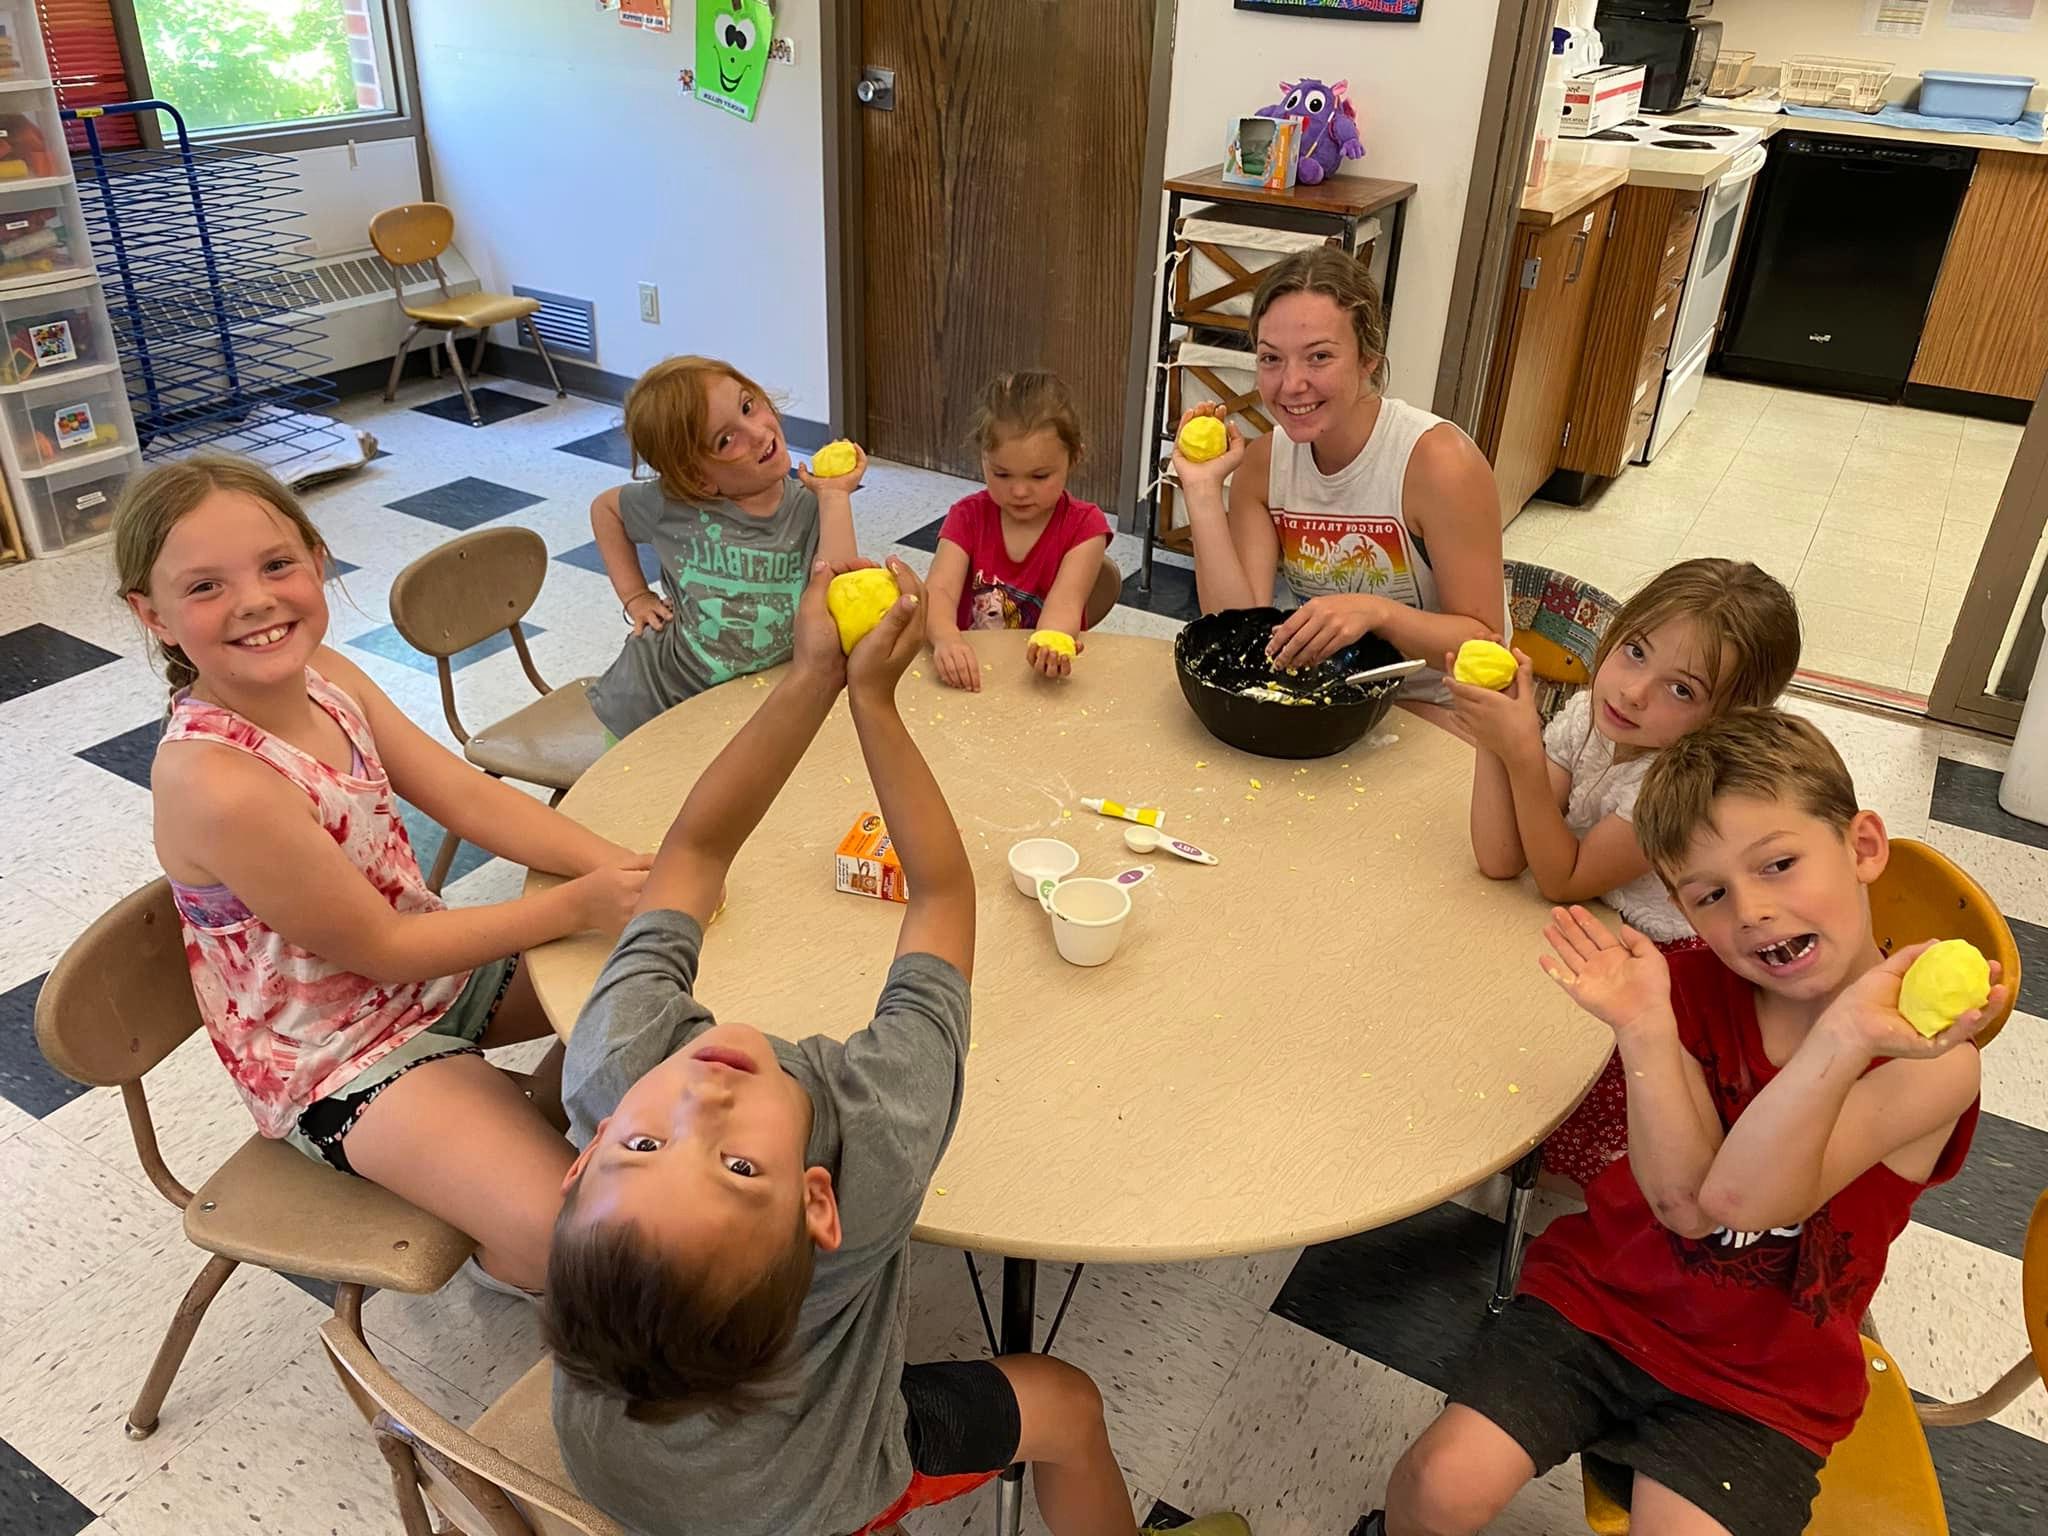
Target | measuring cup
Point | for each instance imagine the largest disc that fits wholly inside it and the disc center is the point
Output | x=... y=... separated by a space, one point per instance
x=1041 y=858
x=1088 y=915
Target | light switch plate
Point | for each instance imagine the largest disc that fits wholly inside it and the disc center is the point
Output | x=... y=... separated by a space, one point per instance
x=650 y=303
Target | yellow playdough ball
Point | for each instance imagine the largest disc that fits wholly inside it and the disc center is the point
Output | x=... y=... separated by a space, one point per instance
x=1054 y=640
x=834 y=460
x=1484 y=664
x=857 y=600
x=1943 y=985
x=1203 y=439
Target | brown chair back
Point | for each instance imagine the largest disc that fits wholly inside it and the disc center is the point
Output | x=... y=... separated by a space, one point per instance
x=2034 y=1284
x=120 y=1000
x=464 y=592
x=481 y=1489
x=1923 y=895
x=412 y=232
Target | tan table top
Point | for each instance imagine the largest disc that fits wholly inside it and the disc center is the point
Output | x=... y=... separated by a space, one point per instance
x=1338 y=1026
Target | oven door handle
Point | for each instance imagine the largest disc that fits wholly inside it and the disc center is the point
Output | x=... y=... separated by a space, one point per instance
x=1746 y=168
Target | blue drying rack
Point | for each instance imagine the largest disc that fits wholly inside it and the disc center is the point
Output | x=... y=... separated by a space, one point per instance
x=192 y=244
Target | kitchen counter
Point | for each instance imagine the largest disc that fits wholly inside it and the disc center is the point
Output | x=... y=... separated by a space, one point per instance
x=1769 y=123
x=1568 y=190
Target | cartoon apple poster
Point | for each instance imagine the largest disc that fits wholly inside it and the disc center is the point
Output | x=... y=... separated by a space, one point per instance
x=732 y=53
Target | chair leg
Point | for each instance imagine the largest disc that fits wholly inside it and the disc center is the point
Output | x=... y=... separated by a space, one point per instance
x=445 y=859
x=434 y=358
x=546 y=357
x=476 y=366
x=398 y=363
x=1521 y=1180
x=171 y=1353
x=455 y=362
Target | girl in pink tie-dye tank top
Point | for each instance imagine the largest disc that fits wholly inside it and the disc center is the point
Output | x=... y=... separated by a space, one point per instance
x=349 y=1003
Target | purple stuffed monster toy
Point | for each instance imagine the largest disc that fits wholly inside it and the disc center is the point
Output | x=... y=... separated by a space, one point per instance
x=1330 y=134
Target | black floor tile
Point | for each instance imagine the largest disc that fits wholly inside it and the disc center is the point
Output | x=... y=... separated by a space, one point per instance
x=494 y=405
x=1172 y=594
x=128 y=754
x=425 y=834
x=27 y=1081
x=1988 y=1203
x=466 y=503
x=1994 y=1480
x=926 y=538
x=36 y=656
x=587 y=557
x=1411 y=1296
x=1164 y=1517
x=1967 y=796
x=336 y=569
x=2032 y=942
x=607 y=447
x=34 y=1504
x=321 y=1291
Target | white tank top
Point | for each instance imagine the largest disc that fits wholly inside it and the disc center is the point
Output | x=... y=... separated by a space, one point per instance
x=1348 y=532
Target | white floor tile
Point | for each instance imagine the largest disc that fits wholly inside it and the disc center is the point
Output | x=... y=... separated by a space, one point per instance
x=1792 y=406
x=34 y=931
x=1955 y=560
x=200 y=1120
x=477 y=1341
x=1899 y=593
x=1736 y=501
x=12 y=1122
x=1611 y=573
x=1976 y=489
x=1790 y=468
x=1627 y=534
x=1829 y=627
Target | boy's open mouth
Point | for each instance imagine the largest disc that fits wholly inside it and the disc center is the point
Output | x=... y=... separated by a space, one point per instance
x=1787 y=952
x=719 y=1056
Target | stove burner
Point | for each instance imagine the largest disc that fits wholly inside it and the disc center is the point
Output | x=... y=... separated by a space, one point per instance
x=1634 y=122
x=1614 y=135
x=1679 y=144
x=1702 y=130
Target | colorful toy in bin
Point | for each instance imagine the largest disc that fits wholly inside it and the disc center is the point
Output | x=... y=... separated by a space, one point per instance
x=1329 y=126
x=48 y=341
x=33 y=242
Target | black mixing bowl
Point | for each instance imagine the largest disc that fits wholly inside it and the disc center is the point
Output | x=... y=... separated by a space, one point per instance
x=1220 y=654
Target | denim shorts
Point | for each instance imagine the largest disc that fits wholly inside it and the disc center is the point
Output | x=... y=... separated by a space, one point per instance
x=324 y=1124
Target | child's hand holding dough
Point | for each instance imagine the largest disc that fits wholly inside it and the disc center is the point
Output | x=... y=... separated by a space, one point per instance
x=1051 y=653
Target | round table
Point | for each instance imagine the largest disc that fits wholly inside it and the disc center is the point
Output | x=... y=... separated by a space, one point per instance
x=1340 y=1024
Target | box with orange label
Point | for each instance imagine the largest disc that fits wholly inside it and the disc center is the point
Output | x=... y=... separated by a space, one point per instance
x=868 y=865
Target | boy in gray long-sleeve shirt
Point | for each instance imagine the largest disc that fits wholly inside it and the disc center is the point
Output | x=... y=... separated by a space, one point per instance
x=726 y=1289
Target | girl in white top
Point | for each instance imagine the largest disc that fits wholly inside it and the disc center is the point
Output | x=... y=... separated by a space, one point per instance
x=1383 y=518
x=1701 y=639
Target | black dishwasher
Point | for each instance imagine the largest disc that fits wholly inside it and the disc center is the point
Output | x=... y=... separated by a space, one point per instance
x=1840 y=260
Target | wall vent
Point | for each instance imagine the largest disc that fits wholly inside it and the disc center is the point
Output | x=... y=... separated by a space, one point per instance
x=568 y=325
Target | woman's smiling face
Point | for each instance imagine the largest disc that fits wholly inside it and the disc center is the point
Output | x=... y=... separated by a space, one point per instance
x=1311 y=371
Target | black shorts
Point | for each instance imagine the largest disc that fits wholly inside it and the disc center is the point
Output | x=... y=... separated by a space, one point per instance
x=961 y=1418
x=1559 y=1391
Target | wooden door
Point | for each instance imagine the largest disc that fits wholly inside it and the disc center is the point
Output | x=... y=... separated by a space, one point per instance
x=1552 y=302
x=1000 y=207
x=1987 y=329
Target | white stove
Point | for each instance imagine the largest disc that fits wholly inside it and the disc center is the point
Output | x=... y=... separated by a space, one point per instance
x=1683 y=134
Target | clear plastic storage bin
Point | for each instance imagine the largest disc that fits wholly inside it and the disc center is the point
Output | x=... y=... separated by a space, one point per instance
x=67 y=419
x=51 y=331
x=20 y=52
x=31 y=139
x=41 y=235
x=70 y=507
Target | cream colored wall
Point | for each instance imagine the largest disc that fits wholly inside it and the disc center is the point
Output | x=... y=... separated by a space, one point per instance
x=1778 y=28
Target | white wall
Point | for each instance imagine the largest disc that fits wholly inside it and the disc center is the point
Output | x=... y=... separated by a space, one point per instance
x=1774 y=29
x=574 y=163
x=1417 y=88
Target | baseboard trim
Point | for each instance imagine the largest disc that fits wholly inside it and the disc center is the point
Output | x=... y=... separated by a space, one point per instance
x=1964 y=402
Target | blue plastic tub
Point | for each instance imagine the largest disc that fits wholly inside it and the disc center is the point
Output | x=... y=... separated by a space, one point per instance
x=1961 y=93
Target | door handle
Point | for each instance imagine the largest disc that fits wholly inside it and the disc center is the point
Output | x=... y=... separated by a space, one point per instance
x=877 y=89
x=1578 y=257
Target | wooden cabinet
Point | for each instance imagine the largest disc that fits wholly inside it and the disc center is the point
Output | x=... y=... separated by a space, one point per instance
x=1542 y=336
x=1987 y=328
x=1628 y=338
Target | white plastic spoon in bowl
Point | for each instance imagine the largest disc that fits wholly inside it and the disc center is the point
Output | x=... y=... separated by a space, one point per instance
x=1391 y=669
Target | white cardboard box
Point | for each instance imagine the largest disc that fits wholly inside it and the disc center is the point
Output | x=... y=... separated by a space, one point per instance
x=1600 y=98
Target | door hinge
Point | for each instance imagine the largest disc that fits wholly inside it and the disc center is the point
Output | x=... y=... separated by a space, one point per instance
x=1532 y=270
x=1613 y=218
x=1566 y=441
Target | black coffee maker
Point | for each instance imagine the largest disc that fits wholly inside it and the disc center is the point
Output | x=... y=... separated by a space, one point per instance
x=1673 y=41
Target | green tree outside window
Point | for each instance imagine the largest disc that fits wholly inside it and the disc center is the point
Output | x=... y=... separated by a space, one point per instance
x=237 y=63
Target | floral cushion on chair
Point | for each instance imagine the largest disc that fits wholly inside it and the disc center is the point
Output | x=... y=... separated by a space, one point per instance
x=1557 y=621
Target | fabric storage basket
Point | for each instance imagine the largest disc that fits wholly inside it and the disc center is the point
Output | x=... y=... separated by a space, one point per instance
x=1961 y=93
x=1217 y=264
x=1199 y=374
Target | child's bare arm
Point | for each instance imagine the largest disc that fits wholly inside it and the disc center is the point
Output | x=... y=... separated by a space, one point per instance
x=837 y=545
x=622 y=562
x=1066 y=604
x=1673 y=1128
x=1827 y=1118
x=734 y=793
x=1496 y=839
x=940 y=919
x=955 y=661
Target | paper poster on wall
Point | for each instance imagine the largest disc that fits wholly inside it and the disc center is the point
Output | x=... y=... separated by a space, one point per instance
x=1895 y=18
x=733 y=38
x=1992 y=15
x=647 y=15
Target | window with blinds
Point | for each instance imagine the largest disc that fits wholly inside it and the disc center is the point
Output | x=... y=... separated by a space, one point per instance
x=85 y=62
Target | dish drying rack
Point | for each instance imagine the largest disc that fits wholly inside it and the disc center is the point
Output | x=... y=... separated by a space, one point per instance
x=1851 y=85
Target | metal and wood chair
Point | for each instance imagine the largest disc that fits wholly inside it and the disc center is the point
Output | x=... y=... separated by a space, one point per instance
x=1557 y=621
x=461 y=594
x=1104 y=595
x=414 y=233
x=503 y=1478
x=119 y=1002
x=1882 y=1479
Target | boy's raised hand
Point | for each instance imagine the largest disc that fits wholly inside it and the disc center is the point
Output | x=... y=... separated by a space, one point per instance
x=888 y=649
x=815 y=651
x=842 y=485
x=1866 y=1016
x=1625 y=983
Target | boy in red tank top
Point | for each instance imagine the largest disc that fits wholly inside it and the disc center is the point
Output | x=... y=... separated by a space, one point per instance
x=1693 y=1333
